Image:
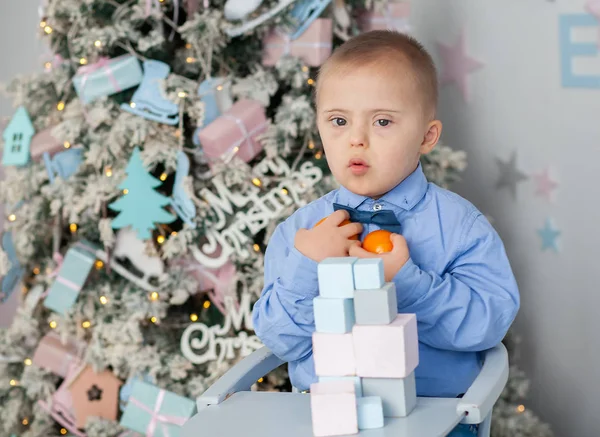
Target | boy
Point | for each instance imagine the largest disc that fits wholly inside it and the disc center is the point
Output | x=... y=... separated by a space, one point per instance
x=376 y=102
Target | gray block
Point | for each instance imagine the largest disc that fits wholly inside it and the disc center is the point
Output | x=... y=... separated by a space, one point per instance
x=376 y=307
x=398 y=395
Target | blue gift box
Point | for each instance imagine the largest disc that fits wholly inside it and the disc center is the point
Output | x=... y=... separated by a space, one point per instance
x=155 y=412
x=106 y=77
x=72 y=274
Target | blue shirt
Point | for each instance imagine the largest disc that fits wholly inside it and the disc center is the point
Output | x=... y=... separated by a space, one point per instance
x=458 y=282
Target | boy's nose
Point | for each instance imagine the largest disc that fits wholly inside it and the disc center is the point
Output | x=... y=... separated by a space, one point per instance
x=359 y=138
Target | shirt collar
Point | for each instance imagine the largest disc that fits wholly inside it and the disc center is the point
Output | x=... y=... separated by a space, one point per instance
x=405 y=195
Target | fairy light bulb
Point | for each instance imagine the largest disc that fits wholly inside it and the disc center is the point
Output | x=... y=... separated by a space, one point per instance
x=194 y=317
x=284 y=191
x=260 y=380
x=25 y=421
x=108 y=172
x=153 y=319
x=60 y=105
x=83 y=61
x=521 y=408
x=206 y=304
x=125 y=191
x=103 y=300
x=311 y=82
x=257 y=182
x=163 y=177
x=73 y=227
x=182 y=94
x=48 y=65
x=86 y=324
x=48 y=30
x=304 y=68
x=98 y=43
x=154 y=296
x=27 y=361
x=189 y=60
x=13 y=382
x=160 y=239
x=53 y=324
x=99 y=264
x=36 y=271
x=311 y=144
x=12 y=218
x=63 y=431
x=256 y=247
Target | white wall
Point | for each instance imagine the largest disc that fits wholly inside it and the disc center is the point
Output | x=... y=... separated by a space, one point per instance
x=518 y=103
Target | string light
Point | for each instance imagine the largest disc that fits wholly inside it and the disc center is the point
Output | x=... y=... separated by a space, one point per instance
x=60 y=106
x=36 y=271
x=132 y=104
x=193 y=317
x=108 y=172
x=67 y=145
x=153 y=319
x=304 y=68
x=206 y=304
x=163 y=177
x=103 y=300
x=25 y=421
x=83 y=61
x=53 y=324
x=125 y=191
x=220 y=88
x=310 y=82
x=188 y=46
x=257 y=182
x=42 y=24
x=260 y=380
x=73 y=227
x=160 y=239
x=13 y=383
x=173 y=234
x=86 y=324
x=311 y=144
x=256 y=247
x=99 y=264
x=48 y=29
x=182 y=94
x=318 y=155
x=189 y=60
x=98 y=43
x=521 y=408
x=63 y=431
x=27 y=361
x=154 y=296
x=48 y=65
x=284 y=191
x=12 y=218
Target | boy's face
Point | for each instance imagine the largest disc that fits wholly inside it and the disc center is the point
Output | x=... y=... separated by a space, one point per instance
x=373 y=126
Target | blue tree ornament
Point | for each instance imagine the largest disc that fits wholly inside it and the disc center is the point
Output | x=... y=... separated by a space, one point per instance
x=304 y=13
x=148 y=101
x=140 y=207
x=17 y=138
x=182 y=204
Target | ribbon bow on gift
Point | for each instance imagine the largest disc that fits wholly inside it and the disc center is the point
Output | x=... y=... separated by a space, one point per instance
x=157 y=418
x=385 y=219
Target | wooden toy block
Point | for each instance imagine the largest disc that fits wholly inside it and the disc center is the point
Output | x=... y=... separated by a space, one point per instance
x=368 y=274
x=376 y=307
x=355 y=379
x=333 y=408
x=387 y=351
x=398 y=395
x=336 y=277
x=333 y=316
x=370 y=412
x=333 y=354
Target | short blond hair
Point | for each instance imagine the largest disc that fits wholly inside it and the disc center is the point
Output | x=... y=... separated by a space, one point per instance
x=385 y=46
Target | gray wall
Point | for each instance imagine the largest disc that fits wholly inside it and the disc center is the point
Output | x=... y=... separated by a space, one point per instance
x=518 y=103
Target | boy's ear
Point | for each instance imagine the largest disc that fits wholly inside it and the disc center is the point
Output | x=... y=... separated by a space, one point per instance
x=432 y=136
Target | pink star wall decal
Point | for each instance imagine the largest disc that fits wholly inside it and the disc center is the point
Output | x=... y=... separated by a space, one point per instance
x=593 y=7
x=457 y=65
x=544 y=184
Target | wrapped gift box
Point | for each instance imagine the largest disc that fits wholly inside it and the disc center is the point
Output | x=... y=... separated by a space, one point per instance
x=237 y=129
x=44 y=142
x=313 y=46
x=395 y=17
x=107 y=77
x=155 y=412
x=72 y=274
x=58 y=357
x=8 y=306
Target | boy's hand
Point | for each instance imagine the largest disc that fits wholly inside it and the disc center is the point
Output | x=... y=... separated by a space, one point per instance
x=328 y=239
x=392 y=261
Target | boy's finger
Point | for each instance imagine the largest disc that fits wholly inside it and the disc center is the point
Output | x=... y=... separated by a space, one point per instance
x=397 y=241
x=338 y=217
x=351 y=229
x=357 y=251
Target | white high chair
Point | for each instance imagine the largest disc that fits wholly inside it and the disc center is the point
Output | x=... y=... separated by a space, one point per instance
x=229 y=409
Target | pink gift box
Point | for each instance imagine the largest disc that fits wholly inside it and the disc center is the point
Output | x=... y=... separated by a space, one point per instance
x=235 y=132
x=8 y=308
x=44 y=142
x=313 y=46
x=57 y=357
x=395 y=18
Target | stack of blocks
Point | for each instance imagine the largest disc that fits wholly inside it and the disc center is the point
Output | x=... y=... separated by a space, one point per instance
x=365 y=353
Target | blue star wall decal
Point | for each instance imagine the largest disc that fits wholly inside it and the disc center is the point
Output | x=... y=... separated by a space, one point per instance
x=549 y=234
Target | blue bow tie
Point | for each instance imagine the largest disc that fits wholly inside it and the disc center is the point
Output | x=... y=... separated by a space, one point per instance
x=385 y=219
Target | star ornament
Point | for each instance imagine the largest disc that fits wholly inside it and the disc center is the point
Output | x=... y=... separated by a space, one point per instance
x=549 y=235
x=545 y=185
x=510 y=175
x=457 y=65
x=94 y=393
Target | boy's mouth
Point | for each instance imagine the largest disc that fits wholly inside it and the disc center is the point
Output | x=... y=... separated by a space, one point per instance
x=358 y=166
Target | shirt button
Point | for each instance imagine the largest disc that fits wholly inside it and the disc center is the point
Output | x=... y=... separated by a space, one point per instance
x=377 y=207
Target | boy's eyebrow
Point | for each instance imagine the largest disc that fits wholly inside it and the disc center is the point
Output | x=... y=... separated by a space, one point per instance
x=327 y=111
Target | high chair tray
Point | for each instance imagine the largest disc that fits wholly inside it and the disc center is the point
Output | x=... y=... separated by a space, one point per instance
x=268 y=414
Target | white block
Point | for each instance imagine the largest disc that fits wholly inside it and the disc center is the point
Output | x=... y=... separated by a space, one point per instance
x=370 y=412
x=355 y=379
x=333 y=316
x=368 y=274
x=333 y=409
x=336 y=277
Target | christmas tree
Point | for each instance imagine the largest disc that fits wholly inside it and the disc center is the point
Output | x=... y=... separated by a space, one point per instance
x=217 y=98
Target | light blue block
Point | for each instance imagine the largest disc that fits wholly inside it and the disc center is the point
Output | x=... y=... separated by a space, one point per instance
x=336 y=277
x=355 y=379
x=370 y=412
x=333 y=316
x=368 y=274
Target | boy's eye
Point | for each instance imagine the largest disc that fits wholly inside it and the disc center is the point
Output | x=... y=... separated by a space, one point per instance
x=383 y=122
x=337 y=121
